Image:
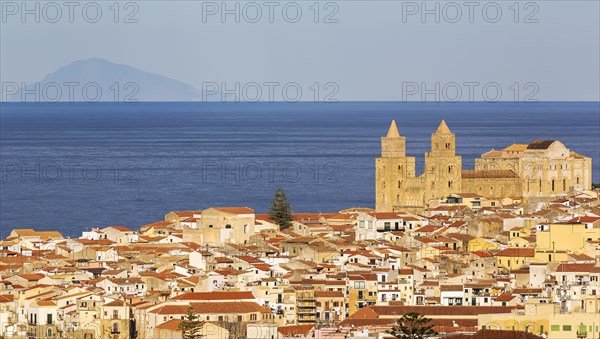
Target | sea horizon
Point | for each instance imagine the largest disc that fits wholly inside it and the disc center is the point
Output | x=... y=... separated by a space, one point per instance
x=157 y=157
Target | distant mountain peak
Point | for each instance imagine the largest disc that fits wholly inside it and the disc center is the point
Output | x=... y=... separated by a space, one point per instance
x=97 y=79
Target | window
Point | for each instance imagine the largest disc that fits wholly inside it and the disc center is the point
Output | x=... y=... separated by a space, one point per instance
x=49 y=319
x=253 y=317
x=246 y=229
x=359 y=284
x=49 y=333
x=228 y=226
x=567 y=328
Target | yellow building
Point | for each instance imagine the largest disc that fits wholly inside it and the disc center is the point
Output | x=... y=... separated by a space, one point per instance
x=542 y=168
x=114 y=317
x=514 y=258
x=541 y=316
x=482 y=244
x=306 y=304
x=571 y=237
x=220 y=225
x=362 y=292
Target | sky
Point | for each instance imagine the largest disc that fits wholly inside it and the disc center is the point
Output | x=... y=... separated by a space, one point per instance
x=349 y=50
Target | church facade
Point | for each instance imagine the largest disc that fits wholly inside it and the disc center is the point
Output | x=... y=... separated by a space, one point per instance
x=542 y=168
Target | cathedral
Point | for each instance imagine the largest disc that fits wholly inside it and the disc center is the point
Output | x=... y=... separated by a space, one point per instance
x=540 y=169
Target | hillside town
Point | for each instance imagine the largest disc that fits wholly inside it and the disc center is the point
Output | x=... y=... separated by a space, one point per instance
x=480 y=264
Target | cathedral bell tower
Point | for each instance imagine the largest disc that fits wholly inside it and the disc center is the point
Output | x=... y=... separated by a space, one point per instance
x=392 y=170
x=442 y=166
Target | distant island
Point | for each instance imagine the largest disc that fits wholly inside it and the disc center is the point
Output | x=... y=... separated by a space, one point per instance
x=99 y=80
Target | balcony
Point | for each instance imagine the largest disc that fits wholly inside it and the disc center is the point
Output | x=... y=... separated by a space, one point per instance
x=115 y=331
x=306 y=304
x=305 y=311
x=306 y=297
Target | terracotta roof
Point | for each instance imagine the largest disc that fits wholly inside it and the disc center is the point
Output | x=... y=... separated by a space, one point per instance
x=517 y=252
x=171 y=309
x=31 y=276
x=584 y=219
x=208 y=296
x=172 y=325
x=505 y=297
x=294 y=330
x=566 y=267
x=121 y=228
x=5 y=298
x=115 y=303
x=229 y=307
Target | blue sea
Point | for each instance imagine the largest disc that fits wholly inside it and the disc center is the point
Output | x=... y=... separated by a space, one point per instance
x=73 y=166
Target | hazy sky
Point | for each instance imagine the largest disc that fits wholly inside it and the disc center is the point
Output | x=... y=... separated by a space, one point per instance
x=370 y=50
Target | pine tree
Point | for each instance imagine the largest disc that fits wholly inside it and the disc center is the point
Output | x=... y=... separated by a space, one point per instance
x=281 y=211
x=412 y=325
x=190 y=325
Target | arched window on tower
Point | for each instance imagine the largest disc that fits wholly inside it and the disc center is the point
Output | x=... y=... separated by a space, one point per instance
x=399 y=183
x=398 y=199
x=552 y=185
x=449 y=183
x=449 y=169
x=564 y=184
x=399 y=168
x=447 y=145
x=577 y=180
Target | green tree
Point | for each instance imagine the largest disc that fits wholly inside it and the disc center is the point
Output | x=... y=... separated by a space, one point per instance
x=190 y=325
x=413 y=325
x=281 y=210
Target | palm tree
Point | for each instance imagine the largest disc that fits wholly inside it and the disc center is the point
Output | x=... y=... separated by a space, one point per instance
x=413 y=325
